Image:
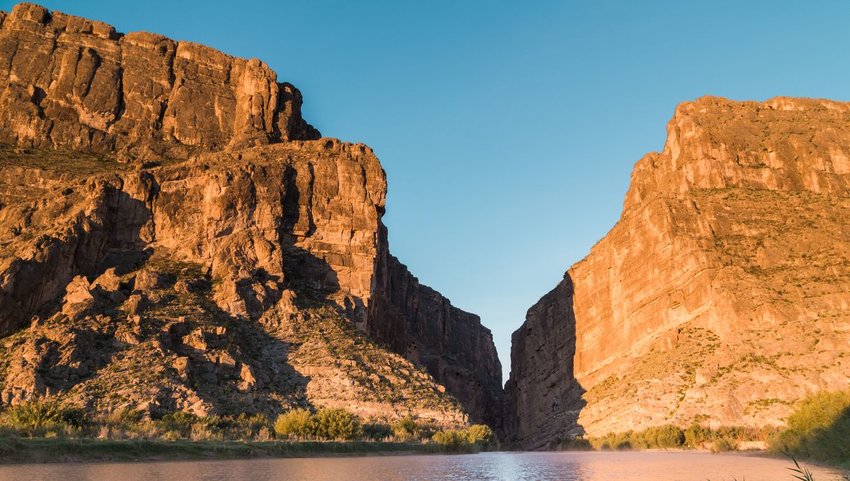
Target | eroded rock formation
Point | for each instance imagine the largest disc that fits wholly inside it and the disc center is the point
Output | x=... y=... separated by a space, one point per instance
x=164 y=205
x=74 y=83
x=425 y=327
x=720 y=296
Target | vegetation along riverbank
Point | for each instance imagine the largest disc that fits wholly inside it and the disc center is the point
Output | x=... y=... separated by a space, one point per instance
x=817 y=430
x=43 y=431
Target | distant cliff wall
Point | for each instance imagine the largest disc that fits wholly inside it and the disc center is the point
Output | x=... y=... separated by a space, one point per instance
x=425 y=327
x=721 y=294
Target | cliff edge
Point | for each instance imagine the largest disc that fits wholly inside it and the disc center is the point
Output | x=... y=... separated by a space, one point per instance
x=719 y=297
x=174 y=236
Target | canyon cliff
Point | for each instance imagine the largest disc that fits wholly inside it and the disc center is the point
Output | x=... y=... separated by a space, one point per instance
x=719 y=297
x=174 y=236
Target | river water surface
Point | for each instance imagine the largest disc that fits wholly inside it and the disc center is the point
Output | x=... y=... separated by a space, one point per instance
x=507 y=466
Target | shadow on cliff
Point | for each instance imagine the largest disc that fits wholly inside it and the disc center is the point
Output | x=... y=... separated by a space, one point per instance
x=573 y=401
x=254 y=346
x=88 y=247
x=543 y=398
x=109 y=237
x=311 y=278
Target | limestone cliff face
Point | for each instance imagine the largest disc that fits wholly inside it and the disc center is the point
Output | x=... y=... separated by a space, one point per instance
x=721 y=294
x=425 y=327
x=240 y=270
x=74 y=83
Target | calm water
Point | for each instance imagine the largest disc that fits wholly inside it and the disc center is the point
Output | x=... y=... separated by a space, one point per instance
x=655 y=466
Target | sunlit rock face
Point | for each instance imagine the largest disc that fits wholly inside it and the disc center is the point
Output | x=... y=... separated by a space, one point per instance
x=73 y=83
x=164 y=204
x=721 y=294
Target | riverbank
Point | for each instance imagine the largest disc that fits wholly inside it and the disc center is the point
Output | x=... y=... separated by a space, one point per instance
x=59 y=450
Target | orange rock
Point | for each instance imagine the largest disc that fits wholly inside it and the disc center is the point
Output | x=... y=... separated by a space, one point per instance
x=720 y=296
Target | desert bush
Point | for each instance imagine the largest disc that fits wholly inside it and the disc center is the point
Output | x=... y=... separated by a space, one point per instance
x=451 y=439
x=574 y=444
x=696 y=436
x=44 y=418
x=406 y=428
x=329 y=424
x=177 y=425
x=337 y=424
x=377 y=431
x=667 y=436
x=673 y=437
x=623 y=440
x=244 y=427
x=471 y=438
x=723 y=444
x=819 y=428
x=295 y=424
x=121 y=417
x=482 y=436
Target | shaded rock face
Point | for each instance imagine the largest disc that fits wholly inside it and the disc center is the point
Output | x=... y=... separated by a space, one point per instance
x=720 y=296
x=148 y=261
x=418 y=322
x=74 y=83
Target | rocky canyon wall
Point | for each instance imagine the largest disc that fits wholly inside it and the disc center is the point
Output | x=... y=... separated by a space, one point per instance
x=425 y=327
x=72 y=83
x=719 y=297
x=189 y=179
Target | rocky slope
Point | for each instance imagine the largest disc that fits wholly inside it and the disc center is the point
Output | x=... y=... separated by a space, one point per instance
x=166 y=214
x=720 y=296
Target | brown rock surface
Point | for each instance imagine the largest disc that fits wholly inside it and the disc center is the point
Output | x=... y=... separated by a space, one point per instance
x=279 y=245
x=421 y=324
x=721 y=295
x=68 y=82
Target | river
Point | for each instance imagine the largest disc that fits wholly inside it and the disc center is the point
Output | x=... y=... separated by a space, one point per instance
x=507 y=466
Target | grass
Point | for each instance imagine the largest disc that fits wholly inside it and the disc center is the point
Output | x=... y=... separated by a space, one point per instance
x=77 y=164
x=46 y=431
x=673 y=437
x=54 y=450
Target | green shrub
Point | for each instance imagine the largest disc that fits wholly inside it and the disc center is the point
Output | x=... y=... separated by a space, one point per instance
x=297 y=423
x=44 y=418
x=330 y=424
x=177 y=425
x=406 y=428
x=819 y=428
x=337 y=424
x=667 y=436
x=451 y=439
x=121 y=417
x=696 y=436
x=471 y=438
x=574 y=444
x=377 y=431
x=721 y=444
x=482 y=436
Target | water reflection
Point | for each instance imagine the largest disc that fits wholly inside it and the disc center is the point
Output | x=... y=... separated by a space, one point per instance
x=628 y=466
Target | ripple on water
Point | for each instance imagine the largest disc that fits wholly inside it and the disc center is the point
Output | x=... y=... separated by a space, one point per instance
x=589 y=466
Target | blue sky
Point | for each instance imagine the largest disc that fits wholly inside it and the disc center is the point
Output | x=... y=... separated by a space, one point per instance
x=508 y=130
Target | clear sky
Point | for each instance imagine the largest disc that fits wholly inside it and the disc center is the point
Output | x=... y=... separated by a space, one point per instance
x=508 y=129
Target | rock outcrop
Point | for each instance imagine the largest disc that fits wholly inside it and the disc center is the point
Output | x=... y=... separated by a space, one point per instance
x=418 y=322
x=74 y=83
x=720 y=296
x=164 y=204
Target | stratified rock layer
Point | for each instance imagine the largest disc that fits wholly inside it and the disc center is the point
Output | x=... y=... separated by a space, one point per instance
x=275 y=238
x=721 y=295
x=77 y=84
x=426 y=328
